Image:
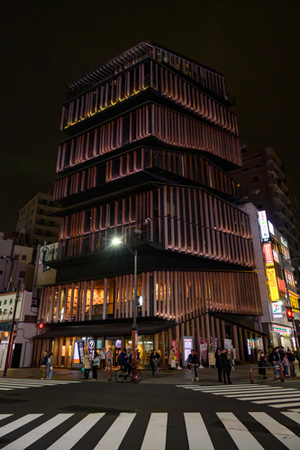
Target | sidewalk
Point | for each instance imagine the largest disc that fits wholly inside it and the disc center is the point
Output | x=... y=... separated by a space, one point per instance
x=171 y=377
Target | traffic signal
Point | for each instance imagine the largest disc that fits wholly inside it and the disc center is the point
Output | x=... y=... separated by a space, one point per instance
x=41 y=326
x=290 y=315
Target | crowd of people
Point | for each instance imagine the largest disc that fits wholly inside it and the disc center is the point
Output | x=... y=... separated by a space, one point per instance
x=102 y=360
x=274 y=358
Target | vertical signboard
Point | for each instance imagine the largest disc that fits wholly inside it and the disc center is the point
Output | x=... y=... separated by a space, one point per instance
x=263 y=224
x=274 y=293
x=267 y=249
x=187 y=345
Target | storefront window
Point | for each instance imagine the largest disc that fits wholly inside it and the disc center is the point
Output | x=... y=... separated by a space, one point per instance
x=145 y=347
x=98 y=299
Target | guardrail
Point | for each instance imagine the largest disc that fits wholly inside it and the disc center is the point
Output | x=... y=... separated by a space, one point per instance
x=278 y=367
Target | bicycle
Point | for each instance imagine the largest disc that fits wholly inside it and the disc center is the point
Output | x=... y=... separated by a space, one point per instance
x=135 y=375
x=192 y=369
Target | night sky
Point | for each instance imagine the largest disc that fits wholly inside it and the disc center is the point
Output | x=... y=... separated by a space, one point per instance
x=48 y=44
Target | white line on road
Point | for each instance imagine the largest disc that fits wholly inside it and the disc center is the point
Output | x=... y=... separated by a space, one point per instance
x=69 y=439
x=197 y=433
x=156 y=433
x=279 y=400
x=12 y=426
x=283 y=434
x=37 y=433
x=116 y=433
x=239 y=433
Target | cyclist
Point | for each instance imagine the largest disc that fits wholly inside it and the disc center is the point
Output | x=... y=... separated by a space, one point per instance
x=123 y=361
x=193 y=359
x=154 y=356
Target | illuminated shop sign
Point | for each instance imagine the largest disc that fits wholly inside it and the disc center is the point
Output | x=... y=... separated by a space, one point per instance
x=294 y=301
x=276 y=256
x=286 y=253
x=281 y=285
x=263 y=223
x=289 y=278
x=284 y=241
x=267 y=249
x=271 y=228
x=274 y=293
x=277 y=307
x=283 y=331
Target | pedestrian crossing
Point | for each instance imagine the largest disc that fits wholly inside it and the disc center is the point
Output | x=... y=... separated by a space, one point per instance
x=275 y=397
x=10 y=384
x=99 y=431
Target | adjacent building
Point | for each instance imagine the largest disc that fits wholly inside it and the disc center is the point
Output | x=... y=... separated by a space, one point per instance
x=149 y=140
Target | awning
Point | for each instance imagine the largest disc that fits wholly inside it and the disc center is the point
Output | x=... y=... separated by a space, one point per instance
x=107 y=328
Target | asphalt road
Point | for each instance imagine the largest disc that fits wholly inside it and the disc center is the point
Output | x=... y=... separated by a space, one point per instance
x=163 y=413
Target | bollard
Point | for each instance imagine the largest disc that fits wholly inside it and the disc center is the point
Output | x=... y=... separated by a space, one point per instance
x=251 y=375
x=109 y=373
x=281 y=373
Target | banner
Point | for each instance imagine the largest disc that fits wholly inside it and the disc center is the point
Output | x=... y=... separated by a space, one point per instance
x=203 y=349
x=228 y=344
x=267 y=249
x=174 y=344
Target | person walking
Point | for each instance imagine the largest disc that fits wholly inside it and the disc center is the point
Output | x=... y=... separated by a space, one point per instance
x=96 y=362
x=286 y=365
x=226 y=365
x=87 y=364
x=291 y=359
x=154 y=356
x=49 y=366
x=102 y=359
x=109 y=357
x=193 y=359
x=218 y=364
x=44 y=364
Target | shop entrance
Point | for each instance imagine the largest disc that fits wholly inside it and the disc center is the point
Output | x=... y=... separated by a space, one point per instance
x=145 y=347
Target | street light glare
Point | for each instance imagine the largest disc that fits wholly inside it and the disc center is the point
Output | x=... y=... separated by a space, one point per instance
x=116 y=241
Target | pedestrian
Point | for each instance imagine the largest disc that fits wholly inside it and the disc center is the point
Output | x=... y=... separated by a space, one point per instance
x=225 y=361
x=286 y=365
x=96 y=362
x=154 y=356
x=274 y=360
x=87 y=364
x=123 y=361
x=281 y=352
x=44 y=364
x=109 y=356
x=102 y=359
x=218 y=364
x=291 y=359
x=49 y=366
x=262 y=365
x=193 y=359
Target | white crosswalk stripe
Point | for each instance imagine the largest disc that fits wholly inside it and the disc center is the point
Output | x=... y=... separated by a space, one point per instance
x=197 y=432
x=273 y=396
x=10 y=384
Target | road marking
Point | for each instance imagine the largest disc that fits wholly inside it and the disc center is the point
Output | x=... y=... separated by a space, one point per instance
x=278 y=400
x=116 y=433
x=197 y=432
x=35 y=434
x=266 y=392
x=296 y=410
x=286 y=405
x=292 y=415
x=283 y=434
x=69 y=439
x=240 y=392
x=156 y=433
x=12 y=426
x=265 y=397
x=239 y=433
x=4 y=416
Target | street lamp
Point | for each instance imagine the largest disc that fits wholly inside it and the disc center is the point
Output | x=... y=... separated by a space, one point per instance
x=134 y=327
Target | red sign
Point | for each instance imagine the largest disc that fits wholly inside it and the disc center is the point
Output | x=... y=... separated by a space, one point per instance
x=289 y=278
x=281 y=284
x=174 y=344
x=267 y=248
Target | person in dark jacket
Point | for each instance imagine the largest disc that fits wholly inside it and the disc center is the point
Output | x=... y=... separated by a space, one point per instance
x=262 y=365
x=226 y=365
x=154 y=355
x=123 y=360
x=44 y=364
x=218 y=364
x=193 y=359
x=291 y=359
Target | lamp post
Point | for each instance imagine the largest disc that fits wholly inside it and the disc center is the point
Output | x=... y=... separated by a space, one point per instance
x=134 y=327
